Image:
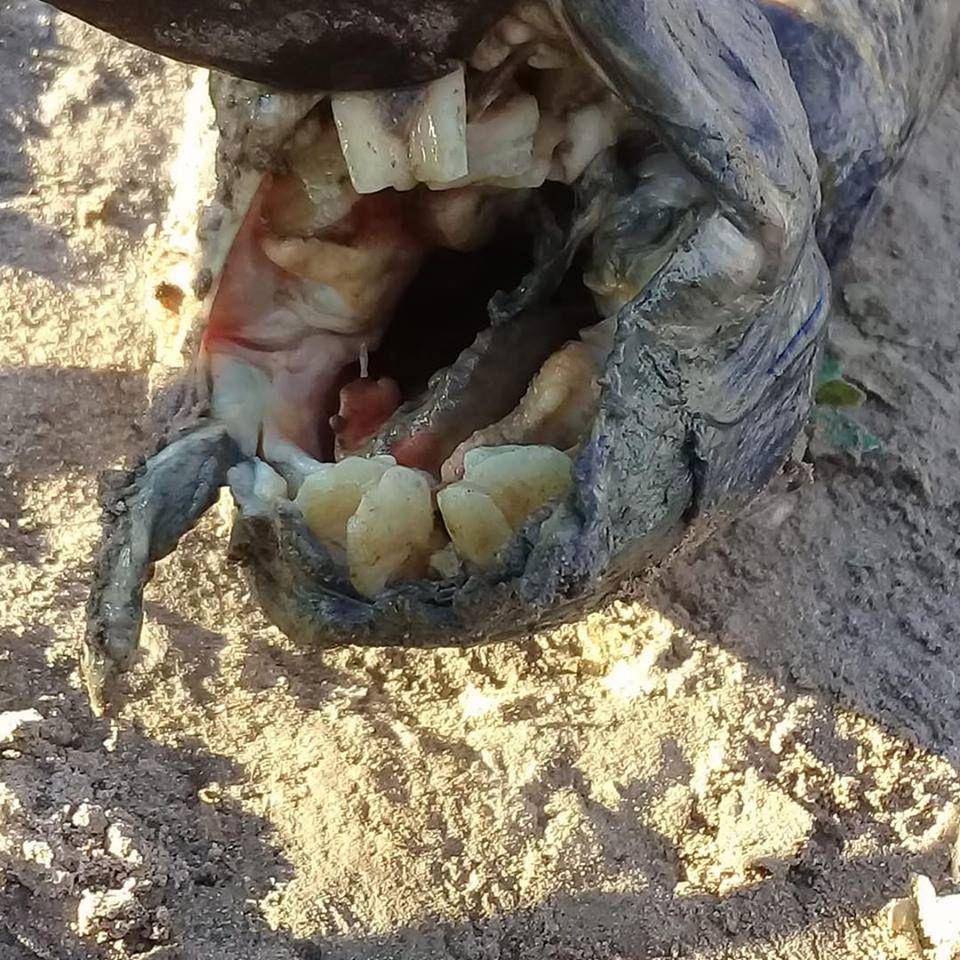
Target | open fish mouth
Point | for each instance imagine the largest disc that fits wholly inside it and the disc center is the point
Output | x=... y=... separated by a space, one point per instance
x=477 y=347
x=412 y=323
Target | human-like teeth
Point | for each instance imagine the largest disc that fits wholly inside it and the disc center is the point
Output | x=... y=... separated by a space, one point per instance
x=539 y=16
x=500 y=142
x=438 y=144
x=477 y=527
x=376 y=157
x=551 y=133
x=329 y=497
x=514 y=31
x=397 y=138
x=502 y=487
x=520 y=479
x=318 y=192
x=391 y=532
x=490 y=53
x=590 y=130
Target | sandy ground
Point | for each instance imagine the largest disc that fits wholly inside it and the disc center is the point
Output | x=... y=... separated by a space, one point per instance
x=748 y=756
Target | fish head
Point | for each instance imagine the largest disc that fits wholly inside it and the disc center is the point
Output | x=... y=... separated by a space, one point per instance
x=482 y=344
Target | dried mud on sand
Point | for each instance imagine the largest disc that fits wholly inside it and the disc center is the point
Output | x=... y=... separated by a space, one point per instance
x=751 y=756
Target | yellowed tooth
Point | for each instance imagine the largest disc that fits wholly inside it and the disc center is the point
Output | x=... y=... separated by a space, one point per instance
x=445 y=564
x=541 y=18
x=315 y=156
x=514 y=31
x=520 y=480
x=490 y=53
x=590 y=130
x=477 y=526
x=391 y=529
x=329 y=497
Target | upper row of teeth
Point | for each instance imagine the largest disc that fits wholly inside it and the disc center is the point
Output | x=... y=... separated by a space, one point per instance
x=515 y=143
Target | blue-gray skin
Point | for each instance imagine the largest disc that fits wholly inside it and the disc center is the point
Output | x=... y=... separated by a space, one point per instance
x=709 y=383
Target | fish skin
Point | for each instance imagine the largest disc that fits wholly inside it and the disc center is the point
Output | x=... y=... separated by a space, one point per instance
x=869 y=73
x=696 y=417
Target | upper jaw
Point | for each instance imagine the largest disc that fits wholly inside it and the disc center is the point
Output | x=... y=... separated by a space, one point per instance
x=708 y=380
x=303 y=44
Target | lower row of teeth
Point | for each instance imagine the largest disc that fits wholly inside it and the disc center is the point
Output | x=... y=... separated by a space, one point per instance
x=391 y=523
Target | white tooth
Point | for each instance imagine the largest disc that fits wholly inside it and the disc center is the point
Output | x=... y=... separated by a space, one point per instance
x=391 y=530
x=375 y=156
x=515 y=32
x=520 y=480
x=477 y=526
x=239 y=399
x=268 y=485
x=550 y=134
x=590 y=130
x=438 y=140
x=500 y=143
x=329 y=497
x=490 y=53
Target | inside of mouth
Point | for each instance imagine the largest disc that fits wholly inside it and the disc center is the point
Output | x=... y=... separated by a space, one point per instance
x=410 y=328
